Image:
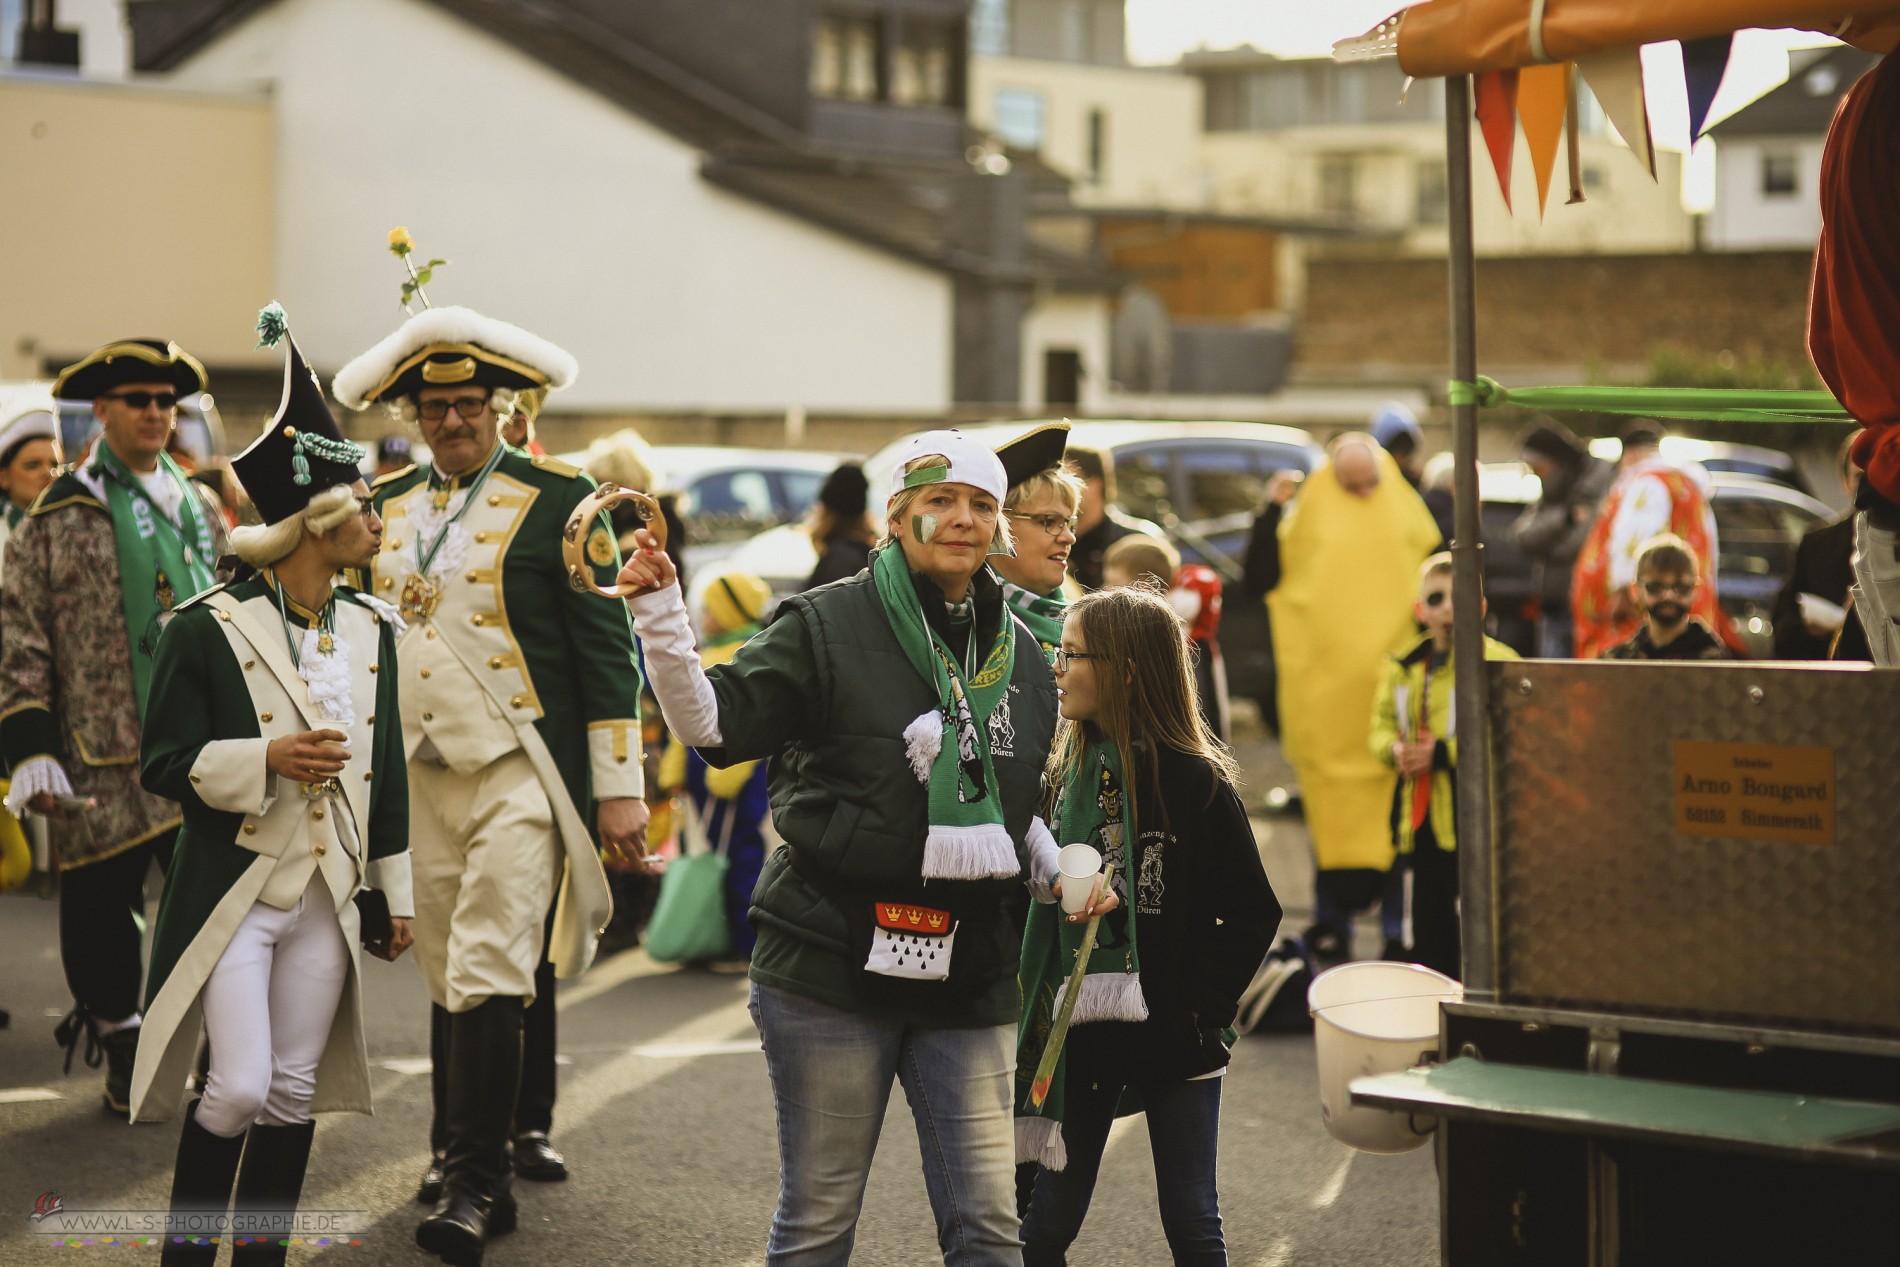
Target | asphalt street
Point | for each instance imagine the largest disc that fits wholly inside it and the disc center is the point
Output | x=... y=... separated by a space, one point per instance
x=665 y=1116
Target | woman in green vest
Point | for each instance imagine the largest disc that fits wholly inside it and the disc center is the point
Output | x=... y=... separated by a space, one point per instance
x=906 y=713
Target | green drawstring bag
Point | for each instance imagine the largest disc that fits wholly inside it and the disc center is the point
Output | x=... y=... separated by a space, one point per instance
x=689 y=920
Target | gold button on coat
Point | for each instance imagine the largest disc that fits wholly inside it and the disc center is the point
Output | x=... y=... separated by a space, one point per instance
x=425 y=673
x=263 y=716
x=320 y=851
x=317 y=813
x=519 y=701
x=428 y=717
x=250 y=829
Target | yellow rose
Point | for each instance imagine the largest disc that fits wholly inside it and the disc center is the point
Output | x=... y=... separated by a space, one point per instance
x=400 y=242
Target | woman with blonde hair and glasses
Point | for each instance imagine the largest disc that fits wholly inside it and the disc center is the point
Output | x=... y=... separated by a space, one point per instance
x=1044 y=497
x=907 y=717
x=1136 y=774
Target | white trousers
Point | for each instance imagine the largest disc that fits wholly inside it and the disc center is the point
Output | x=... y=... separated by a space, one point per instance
x=269 y=1004
x=486 y=856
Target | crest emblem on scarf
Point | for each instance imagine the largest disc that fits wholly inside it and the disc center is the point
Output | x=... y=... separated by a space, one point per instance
x=1002 y=729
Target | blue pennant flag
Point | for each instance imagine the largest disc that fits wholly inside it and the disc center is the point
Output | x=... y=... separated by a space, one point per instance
x=1704 y=62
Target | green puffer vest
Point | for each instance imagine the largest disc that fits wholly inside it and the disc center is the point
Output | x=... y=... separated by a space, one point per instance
x=853 y=816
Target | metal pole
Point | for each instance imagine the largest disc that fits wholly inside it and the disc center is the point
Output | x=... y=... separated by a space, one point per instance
x=1476 y=869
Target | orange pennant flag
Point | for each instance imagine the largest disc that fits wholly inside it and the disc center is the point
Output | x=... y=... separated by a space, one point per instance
x=1496 y=93
x=1540 y=104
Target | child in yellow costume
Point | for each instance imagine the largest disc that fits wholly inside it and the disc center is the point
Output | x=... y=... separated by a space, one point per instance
x=1349 y=552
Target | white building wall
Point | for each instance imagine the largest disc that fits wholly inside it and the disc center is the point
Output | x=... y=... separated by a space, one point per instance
x=1743 y=218
x=564 y=213
x=1077 y=323
x=1151 y=127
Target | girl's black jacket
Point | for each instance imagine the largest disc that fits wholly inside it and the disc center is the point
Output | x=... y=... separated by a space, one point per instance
x=1207 y=916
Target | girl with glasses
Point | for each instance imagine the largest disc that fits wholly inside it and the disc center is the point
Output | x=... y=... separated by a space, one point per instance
x=1188 y=919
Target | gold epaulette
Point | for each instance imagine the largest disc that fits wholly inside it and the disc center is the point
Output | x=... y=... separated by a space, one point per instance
x=381 y=480
x=554 y=466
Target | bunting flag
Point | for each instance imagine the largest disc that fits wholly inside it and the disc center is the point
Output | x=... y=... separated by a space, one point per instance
x=1540 y=105
x=1616 y=77
x=1704 y=62
x=1496 y=94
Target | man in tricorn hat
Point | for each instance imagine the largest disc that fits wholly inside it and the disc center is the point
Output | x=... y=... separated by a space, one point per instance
x=520 y=703
x=93 y=573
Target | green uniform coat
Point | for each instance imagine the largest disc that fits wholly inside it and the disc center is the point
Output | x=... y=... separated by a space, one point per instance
x=223 y=686
x=555 y=665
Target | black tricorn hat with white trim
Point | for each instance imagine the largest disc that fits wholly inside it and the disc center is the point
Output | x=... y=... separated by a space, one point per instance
x=301 y=451
x=130 y=361
x=1034 y=452
x=452 y=347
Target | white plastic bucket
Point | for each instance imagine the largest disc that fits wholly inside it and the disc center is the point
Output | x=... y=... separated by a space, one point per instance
x=1372 y=1017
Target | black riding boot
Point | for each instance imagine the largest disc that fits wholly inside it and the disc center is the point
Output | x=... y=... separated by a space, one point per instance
x=201 y=1187
x=268 y=1186
x=429 y=1191
x=484 y=1072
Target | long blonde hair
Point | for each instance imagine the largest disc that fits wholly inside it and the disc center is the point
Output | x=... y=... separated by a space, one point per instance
x=1144 y=689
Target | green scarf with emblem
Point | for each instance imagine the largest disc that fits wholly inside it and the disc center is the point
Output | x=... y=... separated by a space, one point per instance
x=161 y=563
x=1042 y=613
x=949 y=746
x=1093 y=807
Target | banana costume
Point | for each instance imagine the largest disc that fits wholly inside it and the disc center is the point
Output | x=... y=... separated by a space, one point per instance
x=1349 y=573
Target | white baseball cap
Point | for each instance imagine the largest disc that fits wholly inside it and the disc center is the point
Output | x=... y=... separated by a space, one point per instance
x=966 y=461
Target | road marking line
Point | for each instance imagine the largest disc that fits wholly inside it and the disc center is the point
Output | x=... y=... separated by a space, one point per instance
x=27 y=1095
x=1279 y=1254
x=686 y=1051
x=610 y=974
x=1324 y=1198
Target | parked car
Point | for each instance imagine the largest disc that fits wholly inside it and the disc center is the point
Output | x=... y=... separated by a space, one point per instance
x=1758 y=524
x=728 y=495
x=1718 y=457
x=1200 y=481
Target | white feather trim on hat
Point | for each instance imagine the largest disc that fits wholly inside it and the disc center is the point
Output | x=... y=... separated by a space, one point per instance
x=355 y=381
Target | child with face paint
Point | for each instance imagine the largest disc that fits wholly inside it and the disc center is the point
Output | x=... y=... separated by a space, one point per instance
x=1665 y=590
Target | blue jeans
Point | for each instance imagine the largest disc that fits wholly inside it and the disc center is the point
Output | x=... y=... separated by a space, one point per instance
x=831 y=1079
x=1183 y=1131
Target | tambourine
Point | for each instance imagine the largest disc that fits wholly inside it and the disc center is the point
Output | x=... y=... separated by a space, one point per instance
x=578 y=537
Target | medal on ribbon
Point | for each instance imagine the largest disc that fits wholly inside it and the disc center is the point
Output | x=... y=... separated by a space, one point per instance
x=420 y=595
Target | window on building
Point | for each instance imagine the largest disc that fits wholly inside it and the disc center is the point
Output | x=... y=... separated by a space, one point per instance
x=845 y=58
x=1276 y=100
x=1075 y=36
x=1338 y=185
x=1019 y=117
x=1433 y=194
x=923 y=65
x=1098 y=145
x=1345 y=94
x=989 y=28
x=1780 y=174
x=1061 y=376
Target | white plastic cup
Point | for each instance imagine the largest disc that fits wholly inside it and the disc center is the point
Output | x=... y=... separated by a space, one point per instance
x=1080 y=866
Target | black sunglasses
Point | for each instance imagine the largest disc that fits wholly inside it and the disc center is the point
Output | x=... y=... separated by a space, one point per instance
x=140 y=400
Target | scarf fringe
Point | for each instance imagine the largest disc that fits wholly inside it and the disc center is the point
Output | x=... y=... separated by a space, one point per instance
x=983 y=852
x=1039 y=1139
x=923 y=740
x=1106 y=996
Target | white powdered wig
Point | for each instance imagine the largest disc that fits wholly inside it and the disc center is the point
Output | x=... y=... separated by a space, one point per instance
x=261 y=545
x=366 y=373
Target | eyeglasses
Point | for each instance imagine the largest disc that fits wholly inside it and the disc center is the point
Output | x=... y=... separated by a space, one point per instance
x=1656 y=589
x=1437 y=598
x=469 y=407
x=1064 y=657
x=1052 y=524
x=141 y=400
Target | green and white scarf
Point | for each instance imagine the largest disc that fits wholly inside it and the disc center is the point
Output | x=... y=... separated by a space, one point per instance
x=949 y=745
x=1092 y=808
x=1042 y=613
x=161 y=562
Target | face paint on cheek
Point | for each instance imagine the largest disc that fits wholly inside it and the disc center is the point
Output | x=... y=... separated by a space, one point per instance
x=923 y=528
